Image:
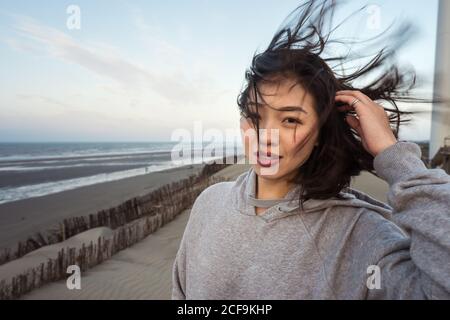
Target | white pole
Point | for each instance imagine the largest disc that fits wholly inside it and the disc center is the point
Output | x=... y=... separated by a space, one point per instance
x=440 y=117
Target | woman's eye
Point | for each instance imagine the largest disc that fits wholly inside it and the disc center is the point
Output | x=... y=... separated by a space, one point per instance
x=292 y=121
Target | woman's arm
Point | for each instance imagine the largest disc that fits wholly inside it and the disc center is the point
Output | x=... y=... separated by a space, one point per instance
x=419 y=267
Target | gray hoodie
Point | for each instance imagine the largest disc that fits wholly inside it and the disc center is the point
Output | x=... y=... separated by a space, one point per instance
x=350 y=248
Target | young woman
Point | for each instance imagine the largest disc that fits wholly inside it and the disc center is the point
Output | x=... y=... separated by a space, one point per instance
x=301 y=232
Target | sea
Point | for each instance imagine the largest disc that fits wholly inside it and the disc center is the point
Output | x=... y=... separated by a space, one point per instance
x=30 y=170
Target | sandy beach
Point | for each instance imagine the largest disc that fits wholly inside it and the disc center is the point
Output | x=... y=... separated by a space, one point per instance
x=143 y=271
x=20 y=219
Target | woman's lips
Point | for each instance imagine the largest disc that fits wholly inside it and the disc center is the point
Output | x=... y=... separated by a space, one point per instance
x=267 y=161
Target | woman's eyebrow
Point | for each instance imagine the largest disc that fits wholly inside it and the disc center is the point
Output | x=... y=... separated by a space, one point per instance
x=285 y=108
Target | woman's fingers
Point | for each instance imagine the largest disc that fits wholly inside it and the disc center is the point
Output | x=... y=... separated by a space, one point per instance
x=362 y=107
x=354 y=123
x=348 y=100
x=371 y=122
x=355 y=94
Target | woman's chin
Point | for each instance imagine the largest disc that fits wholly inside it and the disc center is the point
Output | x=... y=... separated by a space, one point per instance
x=267 y=172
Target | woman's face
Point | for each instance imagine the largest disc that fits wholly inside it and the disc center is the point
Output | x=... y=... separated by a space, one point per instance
x=289 y=111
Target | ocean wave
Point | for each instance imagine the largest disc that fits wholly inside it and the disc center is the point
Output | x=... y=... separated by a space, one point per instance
x=42 y=189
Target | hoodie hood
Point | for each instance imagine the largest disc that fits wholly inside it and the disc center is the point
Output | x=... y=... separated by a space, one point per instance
x=244 y=200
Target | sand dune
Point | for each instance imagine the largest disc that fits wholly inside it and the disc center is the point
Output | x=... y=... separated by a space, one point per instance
x=142 y=271
x=41 y=255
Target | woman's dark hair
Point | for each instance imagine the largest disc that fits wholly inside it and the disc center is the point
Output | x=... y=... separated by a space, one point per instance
x=295 y=51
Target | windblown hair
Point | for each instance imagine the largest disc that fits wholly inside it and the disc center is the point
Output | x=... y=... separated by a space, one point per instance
x=295 y=51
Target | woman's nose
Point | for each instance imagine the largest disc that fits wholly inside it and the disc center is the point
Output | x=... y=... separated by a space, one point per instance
x=268 y=133
x=268 y=137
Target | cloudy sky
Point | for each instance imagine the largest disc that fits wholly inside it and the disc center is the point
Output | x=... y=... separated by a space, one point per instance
x=138 y=70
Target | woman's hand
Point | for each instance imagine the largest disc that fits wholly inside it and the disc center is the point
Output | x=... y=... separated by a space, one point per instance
x=373 y=123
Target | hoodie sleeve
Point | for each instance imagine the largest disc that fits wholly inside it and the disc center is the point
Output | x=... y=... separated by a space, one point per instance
x=179 y=265
x=418 y=266
x=179 y=269
x=179 y=274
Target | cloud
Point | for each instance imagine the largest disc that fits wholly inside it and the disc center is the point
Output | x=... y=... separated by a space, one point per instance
x=41 y=98
x=175 y=87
